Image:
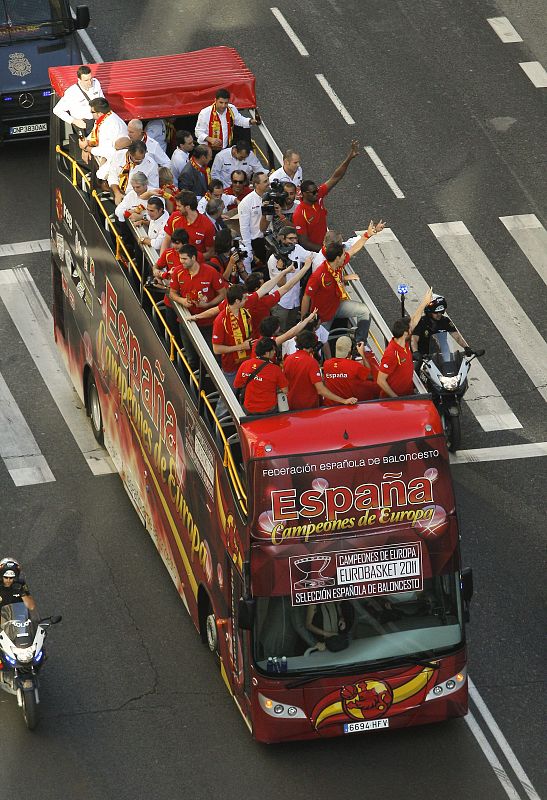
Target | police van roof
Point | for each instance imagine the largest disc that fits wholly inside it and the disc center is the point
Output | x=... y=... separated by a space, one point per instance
x=163 y=86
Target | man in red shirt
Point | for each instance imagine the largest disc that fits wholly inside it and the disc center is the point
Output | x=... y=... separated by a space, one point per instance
x=261 y=379
x=304 y=377
x=200 y=229
x=260 y=301
x=310 y=217
x=232 y=333
x=396 y=373
x=346 y=377
x=325 y=289
x=195 y=286
x=166 y=265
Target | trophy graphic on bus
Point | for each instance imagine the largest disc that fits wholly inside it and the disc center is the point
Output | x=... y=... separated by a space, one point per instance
x=312 y=568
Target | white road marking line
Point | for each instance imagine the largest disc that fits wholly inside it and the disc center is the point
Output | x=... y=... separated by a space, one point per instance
x=491 y=757
x=335 y=99
x=18 y=447
x=531 y=237
x=482 y=397
x=536 y=72
x=504 y=453
x=504 y=29
x=84 y=36
x=383 y=172
x=20 y=248
x=517 y=329
x=502 y=742
x=289 y=31
x=33 y=320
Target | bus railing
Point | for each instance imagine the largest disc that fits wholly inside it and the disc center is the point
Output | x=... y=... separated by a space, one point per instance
x=207 y=358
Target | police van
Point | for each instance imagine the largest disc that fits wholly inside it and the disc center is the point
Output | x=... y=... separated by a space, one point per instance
x=34 y=35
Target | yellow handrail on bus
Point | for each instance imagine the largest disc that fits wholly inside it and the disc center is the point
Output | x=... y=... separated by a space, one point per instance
x=121 y=249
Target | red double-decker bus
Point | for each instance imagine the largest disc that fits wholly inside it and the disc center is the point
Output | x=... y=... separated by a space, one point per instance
x=316 y=551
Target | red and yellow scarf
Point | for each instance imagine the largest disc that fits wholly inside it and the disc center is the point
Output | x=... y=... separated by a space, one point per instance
x=240 y=335
x=215 y=125
x=94 y=135
x=205 y=171
x=124 y=174
x=337 y=275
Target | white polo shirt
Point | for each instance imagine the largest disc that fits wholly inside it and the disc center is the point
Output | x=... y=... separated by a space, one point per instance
x=147 y=165
x=74 y=104
x=250 y=213
x=282 y=176
x=225 y=163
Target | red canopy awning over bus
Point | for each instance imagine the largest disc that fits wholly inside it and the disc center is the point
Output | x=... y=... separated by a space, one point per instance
x=164 y=86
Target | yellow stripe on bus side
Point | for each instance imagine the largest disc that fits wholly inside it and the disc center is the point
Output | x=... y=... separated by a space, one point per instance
x=172 y=525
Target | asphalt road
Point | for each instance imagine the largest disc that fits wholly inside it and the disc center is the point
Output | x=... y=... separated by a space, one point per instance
x=133 y=705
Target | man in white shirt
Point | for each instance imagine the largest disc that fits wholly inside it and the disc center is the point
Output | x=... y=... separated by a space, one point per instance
x=107 y=129
x=73 y=107
x=215 y=124
x=181 y=154
x=136 y=133
x=155 y=218
x=163 y=131
x=287 y=311
x=239 y=157
x=132 y=202
x=252 y=222
x=291 y=170
x=215 y=192
x=124 y=163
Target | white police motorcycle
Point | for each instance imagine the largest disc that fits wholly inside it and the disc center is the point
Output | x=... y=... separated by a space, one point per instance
x=444 y=371
x=21 y=656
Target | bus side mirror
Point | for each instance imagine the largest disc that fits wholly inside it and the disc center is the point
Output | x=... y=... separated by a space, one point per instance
x=246 y=613
x=466 y=584
x=82 y=18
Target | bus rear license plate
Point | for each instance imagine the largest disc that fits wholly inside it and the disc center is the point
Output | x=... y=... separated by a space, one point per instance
x=366 y=725
x=38 y=127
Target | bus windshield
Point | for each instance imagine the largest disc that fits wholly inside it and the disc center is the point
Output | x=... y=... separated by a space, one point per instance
x=359 y=633
x=31 y=19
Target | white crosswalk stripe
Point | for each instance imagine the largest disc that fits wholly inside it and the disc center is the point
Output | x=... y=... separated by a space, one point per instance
x=483 y=398
x=531 y=237
x=18 y=447
x=33 y=320
x=505 y=312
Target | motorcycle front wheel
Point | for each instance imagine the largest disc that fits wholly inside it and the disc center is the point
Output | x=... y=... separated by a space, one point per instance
x=452 y=431
x=30 y=709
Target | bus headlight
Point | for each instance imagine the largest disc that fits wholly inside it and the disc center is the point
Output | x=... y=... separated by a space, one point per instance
x=450 y=686
x=280 y=710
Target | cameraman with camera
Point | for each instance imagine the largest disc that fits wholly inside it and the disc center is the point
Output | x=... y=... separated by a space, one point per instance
x=228 y=258
x=286 y=250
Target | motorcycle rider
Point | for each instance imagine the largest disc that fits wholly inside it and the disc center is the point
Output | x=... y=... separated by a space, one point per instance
x=433 y=321
x=12 y=589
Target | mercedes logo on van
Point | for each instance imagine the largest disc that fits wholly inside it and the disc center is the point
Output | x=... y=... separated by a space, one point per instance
x=26 y=100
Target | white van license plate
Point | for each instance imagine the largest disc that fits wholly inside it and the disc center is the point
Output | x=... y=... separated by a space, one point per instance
x=38 y=127
x=366 y=725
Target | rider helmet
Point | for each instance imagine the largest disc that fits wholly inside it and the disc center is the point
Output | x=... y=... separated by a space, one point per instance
x=9 y=568
x=437 y=306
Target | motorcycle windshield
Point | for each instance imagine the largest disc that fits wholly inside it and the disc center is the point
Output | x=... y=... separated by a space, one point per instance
x=17 y=625
x=445 y=352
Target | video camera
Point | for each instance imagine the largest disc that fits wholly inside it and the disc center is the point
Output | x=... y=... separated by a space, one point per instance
x=237 y=249
x=272 y=196
x=280 y=251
